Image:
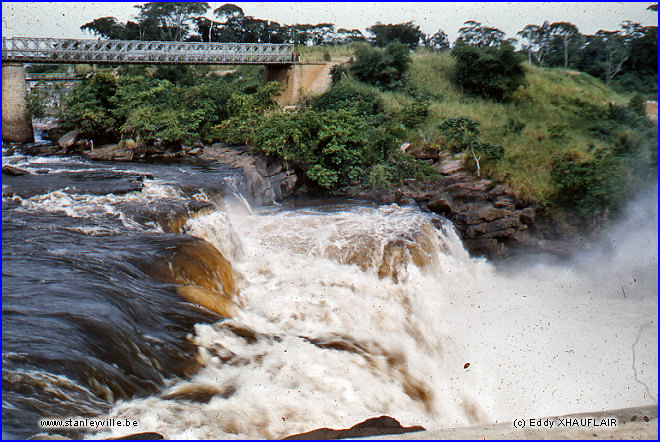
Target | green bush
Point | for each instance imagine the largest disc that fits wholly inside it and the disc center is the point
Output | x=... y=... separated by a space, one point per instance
x=488 y=72
x=385 y=68
x=351 y=96
x=459 y=133
x=588 y=187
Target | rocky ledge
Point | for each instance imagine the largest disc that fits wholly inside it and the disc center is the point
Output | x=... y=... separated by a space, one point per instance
x=489 y=217
x=267 y=180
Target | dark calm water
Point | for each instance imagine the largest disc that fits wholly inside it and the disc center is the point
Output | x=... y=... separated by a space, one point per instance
x=86 y=319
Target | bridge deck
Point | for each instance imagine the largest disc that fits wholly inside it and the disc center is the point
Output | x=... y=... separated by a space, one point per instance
x=71 y=51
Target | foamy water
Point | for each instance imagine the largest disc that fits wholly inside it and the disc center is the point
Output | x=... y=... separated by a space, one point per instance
x=357 y=312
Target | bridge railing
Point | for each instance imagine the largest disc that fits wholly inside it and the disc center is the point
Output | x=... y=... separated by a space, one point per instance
x=63 y=51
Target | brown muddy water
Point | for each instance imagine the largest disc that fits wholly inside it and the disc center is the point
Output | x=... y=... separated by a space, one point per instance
x=155 y=293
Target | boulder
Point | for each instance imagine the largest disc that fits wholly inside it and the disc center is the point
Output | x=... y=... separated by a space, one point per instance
x=69 y=139
x=443 y=204
x=13 y=170
x=196 y=151
x=42 y=150
x=528 y=215
x=110 y=152
x=424 y=153
x=371 y=427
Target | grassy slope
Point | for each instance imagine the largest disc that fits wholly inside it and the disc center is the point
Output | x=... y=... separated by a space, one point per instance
x=546 y=105
x=554 y=122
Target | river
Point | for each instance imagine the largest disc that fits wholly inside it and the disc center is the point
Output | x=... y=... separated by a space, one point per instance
x=335 y=311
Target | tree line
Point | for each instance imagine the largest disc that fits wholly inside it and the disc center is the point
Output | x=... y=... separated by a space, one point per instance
x=627 y=57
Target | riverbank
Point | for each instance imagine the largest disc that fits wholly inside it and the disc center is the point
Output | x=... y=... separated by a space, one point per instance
x=490 y=218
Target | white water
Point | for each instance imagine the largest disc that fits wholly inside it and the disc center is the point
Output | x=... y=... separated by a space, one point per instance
x=337 y=344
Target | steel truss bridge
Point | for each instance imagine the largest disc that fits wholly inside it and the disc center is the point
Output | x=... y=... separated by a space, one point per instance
x=72 y=51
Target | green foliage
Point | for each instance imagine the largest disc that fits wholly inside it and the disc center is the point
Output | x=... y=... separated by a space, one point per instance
x=489 y=72
x=415 y=114
x=91 y=106
x=637 y=104
x=338 y=73
x=351 y=96
x=385 y=68
x=403 y=33
x=588 y=187
x=458 y=134
x=514 y=126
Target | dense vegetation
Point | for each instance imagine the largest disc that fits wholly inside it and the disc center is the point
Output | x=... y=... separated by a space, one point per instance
x=558 y=137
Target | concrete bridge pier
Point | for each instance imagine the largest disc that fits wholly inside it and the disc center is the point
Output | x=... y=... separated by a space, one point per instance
x=16 y=119
x=299 y=79
x=289 y=77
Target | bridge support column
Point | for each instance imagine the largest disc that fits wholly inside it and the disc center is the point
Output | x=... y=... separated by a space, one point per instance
x=289 y=77
x=16 y=120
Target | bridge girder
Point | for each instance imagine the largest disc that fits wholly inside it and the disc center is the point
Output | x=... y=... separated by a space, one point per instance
x=71 y=51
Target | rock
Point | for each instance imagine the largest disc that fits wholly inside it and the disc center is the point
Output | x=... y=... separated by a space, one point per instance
x=267 y=180
x=424 y=154
x=449 y=167
x=42 y=150
x=482 y=213
x=484 y=247
x=196 y=151
x=186 y=148
x=198 y=145
x=13 y=170
x=521 y=236
x=110 y=152
x=127 y=144
x=528 y=215
x=371 y=427
x=54 y=133
x=67 y=140
x=443 y=204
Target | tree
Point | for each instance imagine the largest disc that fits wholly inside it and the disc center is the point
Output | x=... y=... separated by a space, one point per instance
x=489 y=72
x=171 y=18
x=565 y=32
x=438 y=42
x=228 y=12
x=106 y=27
x=537 y=41
x=473 y=33
x=345 y=36
x=615 y=52
x=404 y=33
x=385 y=68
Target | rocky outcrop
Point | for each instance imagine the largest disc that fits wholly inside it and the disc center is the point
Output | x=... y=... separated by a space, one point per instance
x=490 y=219
x=267 y=180
x=111 y=152
x=377 y=426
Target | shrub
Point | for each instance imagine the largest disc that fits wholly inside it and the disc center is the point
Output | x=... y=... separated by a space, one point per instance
x=488 y=72
x=588 y=187
x=385 y=68
x=351 y=96
x=459 y=133
x=338 y=73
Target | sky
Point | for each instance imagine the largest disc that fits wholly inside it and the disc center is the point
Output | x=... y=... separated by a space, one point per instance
x=63 y=19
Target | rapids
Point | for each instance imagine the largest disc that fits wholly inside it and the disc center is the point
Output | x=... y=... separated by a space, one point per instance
x=334 y=312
